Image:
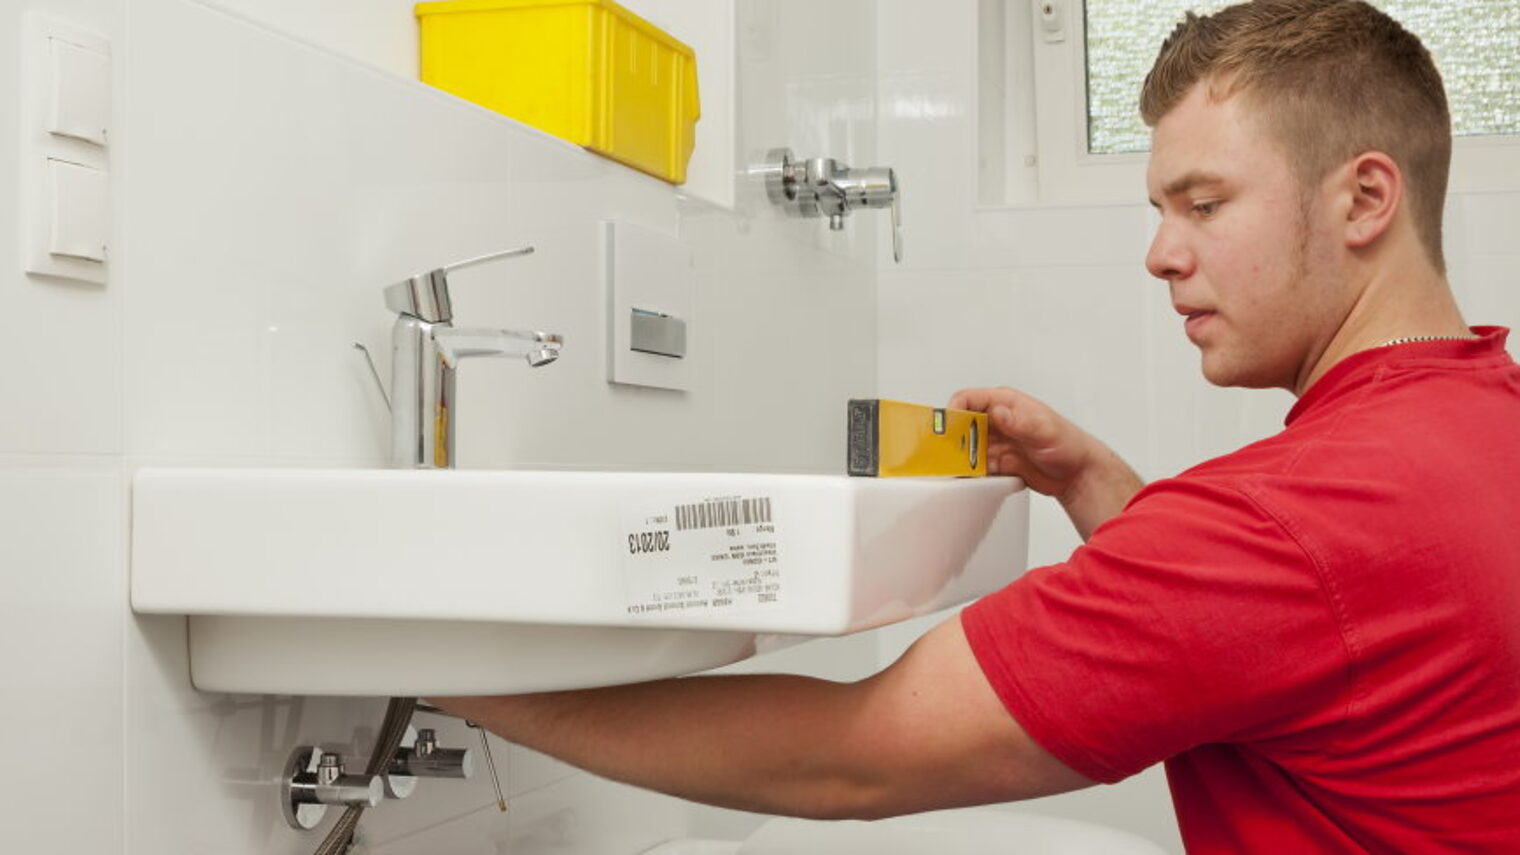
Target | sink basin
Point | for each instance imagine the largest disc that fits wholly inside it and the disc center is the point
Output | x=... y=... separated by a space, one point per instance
x=402 y=582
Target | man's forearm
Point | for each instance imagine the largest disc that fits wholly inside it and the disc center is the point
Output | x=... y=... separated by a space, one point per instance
x=707 y=739
x=928 y=732
x=1105 y=486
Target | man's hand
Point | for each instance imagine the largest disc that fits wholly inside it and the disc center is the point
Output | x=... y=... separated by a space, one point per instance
x=1053 y=456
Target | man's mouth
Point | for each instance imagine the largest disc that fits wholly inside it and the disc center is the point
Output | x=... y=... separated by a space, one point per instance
x=1196 y=318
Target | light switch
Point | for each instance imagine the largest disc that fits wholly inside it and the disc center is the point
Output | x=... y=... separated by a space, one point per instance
x=80 y=221
x=81 y=92
x=65 y=163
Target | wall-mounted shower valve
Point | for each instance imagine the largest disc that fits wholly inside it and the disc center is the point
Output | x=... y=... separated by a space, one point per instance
x=420 y=757
x=315 y=779
x=824 y=187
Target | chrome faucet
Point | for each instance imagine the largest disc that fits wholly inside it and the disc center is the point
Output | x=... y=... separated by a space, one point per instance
x=426 y=349
x=824 y=187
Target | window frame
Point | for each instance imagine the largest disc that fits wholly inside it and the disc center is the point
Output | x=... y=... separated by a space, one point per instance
x=1067 y=173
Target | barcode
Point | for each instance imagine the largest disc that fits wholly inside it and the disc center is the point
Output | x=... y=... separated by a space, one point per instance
x=723 y=512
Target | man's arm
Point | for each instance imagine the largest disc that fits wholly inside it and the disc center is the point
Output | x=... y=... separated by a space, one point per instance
x=924 y=734
x=1052 y=455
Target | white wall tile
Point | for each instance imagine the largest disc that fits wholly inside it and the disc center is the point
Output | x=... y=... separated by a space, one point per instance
x=385 y=35
x=1058 y=235
x=381 y=34
x=202 y=769
x=62 y=517
x=927 y=97
x=1486 y=292
x=61 y=343
x=577 y=815
x=235 y=746
x=61 y=625
x=1072 y=336
x=1489 y=223
x=60 y=340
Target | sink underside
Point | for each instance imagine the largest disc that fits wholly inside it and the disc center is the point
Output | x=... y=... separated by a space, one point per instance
x=385 y=582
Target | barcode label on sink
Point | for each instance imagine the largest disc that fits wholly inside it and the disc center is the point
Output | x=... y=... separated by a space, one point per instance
x=722 y=513
x=714 y=556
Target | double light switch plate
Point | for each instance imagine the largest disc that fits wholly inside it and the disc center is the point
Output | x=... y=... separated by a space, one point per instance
x=65 y=168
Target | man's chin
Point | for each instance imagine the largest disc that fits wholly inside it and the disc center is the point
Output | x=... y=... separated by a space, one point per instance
x=1222 y=372
x=1234 y=376
x=1218 y=379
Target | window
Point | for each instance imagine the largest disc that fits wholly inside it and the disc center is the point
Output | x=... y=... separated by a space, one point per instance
x=1059 y=117
x=1123 y=37
x=1476 y=45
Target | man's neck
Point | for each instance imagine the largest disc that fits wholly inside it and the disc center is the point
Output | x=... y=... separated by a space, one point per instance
x=1388 y=307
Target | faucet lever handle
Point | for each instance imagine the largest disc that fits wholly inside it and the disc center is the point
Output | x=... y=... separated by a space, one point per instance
x=897 y=237
x=877 y=187
x=490 y=256
x=426 y=295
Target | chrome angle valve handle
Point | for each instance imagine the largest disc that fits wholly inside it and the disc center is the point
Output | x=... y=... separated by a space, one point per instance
x=824 y=187
x=420 y=756
x=314 y=779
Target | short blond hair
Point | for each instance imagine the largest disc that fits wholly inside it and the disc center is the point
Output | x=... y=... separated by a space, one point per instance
x=1332 y=79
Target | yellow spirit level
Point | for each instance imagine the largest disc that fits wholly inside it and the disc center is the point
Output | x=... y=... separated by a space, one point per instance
x=892 y=439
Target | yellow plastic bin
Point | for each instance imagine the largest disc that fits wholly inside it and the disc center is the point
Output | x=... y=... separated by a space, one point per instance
x=588 y=71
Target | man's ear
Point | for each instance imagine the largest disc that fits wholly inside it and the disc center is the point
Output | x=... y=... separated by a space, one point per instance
x=1376 y=188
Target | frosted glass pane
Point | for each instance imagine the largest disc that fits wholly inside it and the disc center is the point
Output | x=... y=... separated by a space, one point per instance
x=1476 y=44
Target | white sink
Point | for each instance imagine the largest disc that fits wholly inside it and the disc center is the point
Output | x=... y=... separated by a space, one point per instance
x=391 y=582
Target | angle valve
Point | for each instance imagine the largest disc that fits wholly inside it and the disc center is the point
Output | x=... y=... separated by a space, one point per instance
x=315 y=779
x=824 y=187
x=420 y=757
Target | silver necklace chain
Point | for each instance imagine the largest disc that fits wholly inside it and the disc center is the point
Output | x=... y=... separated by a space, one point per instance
x=1414 y=338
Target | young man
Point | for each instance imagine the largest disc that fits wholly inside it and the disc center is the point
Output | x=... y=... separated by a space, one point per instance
x=1319 y=634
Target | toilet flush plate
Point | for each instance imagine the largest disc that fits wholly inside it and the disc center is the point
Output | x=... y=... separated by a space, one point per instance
x=651 y=297
x=425 y=582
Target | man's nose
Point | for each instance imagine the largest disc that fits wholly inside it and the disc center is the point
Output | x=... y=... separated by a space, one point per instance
x=1168 y=258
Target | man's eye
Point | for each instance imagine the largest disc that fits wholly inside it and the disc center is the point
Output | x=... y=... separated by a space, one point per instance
x=1205 y=209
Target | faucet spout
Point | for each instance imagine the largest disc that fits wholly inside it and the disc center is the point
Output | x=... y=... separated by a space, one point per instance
x=456 y=343
x=424 y=360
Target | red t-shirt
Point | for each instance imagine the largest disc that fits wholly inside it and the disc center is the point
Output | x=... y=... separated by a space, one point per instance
x=1319 y=633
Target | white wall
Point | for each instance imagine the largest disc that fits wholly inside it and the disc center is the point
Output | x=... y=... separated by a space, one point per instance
x=266 y=190
x=383 y=33
x=1055 y=300
x=62 y=512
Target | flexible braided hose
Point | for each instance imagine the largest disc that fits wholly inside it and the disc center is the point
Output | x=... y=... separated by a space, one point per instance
x=398 y=714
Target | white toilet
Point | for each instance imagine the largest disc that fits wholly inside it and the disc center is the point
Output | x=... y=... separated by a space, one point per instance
x=965 y=831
